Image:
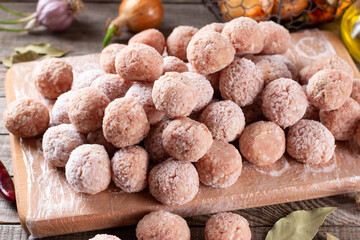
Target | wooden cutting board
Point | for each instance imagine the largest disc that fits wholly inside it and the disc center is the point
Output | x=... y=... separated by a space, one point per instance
x=47 y=206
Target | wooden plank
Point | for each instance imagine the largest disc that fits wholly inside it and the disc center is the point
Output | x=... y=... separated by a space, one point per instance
x=12 y=232
x=8 y=212
x=5 y=152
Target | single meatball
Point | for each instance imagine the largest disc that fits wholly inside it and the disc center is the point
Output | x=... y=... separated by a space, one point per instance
x=214 y=79
x=97 y=137
x=112 y=85
x=355 y=94
x=26 y=117
x=224 y=119
x=142 y=92
x=162 y=225
x=289 y=64
x=329 y=89
x=174 y=64
x=215 y=27
x=86 y=109
x=241 y=82
x=309 y=141
x=174 y=182
x=174 y=94
x=284 y=102
x=52 y=77
x=154 y=143
x=277 y=38
x=245 y=35
x=186 y=139
x=88 y=169
x=343 y=121
x=151 y=37
x=312 y=112
x=108 y=55
x=130 y=168
x=209 y=52
x=253 y=112
x=262 y=143
x=227 y=226
x=85 y=79
x=139 y=62
x=58 y=143
x=104 y=237
x=59 y=111
x=271 y=68
x=221 y=166
x=125 y=122
x=178 y=41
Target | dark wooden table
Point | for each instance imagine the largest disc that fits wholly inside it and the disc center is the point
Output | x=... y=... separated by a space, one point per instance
x=84 y=37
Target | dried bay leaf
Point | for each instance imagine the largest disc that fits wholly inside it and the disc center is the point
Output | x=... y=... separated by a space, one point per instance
x=20 y=57
x=42 y=48
x=330 y=237
x=299 y=225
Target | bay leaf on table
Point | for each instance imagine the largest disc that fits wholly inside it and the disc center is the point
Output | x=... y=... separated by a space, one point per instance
x=330 y=237
x=299 y=225
x=20 y=57
x=42 y=48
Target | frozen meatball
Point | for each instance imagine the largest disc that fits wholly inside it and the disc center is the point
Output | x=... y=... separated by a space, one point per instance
x=215 y=27
x=262 y=143
x=253 y=112
x=26 y=117
x=108 y=55
x=151 y=37
x=162 y=225
x=224 y=119
x=112 y=85
x=245 y=35
x=284 y=102
x=97 y=137
x=329 y=89
x=85 y=79
x=86 y=109
x=88 y=169
x=355 y=94
x=59 y=111
x=139 y=62
x=178 y=41
x=277 y=38
x=52 y=77
x=142 y=92
x=357 y=135
x=130 y=168
x=214 y=78
x=289 y=64
x=209 y=52
x=174 y=94
x=174 y=64
x=104 y=237
x=227 y=226
x=58 y=143
x=186 y=139
x=173 y=182
x=221 y=166
x=125 y=122
x=343 y=121
x=154 y=144
x=241 y=82
x=309 y=141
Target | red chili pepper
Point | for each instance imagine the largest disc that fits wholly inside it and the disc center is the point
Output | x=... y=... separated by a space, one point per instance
x=7 y=189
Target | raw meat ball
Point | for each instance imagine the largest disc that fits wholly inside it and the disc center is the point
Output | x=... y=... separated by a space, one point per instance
x=312 y=112
x=26 y=117
x=108 y=55
x=224 y=119
x=173 y=182
x=163 y=226
x=214 y=78
x=289 y=64
x=85 y=79
x=284 y=102
x=204 y=89
x=130 y=168
x=241 y=82
x=86 y=109
x=357 y=135
x=277 y=38
x=125 y=122
x=112 y=85
x=329 y=89
x=227 y=226
x=142 y=92
x=343 y=121
x=186 y=139
x=174 y=64
x=59 y=111
x=151 y=37
x=253 y=112
x=215 y=27
x=139 y=62
x=303 y=75
x=220 y=166
x=154 y=144
x=355 y=94
x=52 y=77
x=178 y=41
x=245 y=35
x=97 y=137
x=309 y=141
x=174 y=94
x=88 y=169
x=262 y=143
x=209 y=52
x=104 y=237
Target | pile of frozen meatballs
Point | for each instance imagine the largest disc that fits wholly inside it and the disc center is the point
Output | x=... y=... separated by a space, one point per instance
x=173 y=113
